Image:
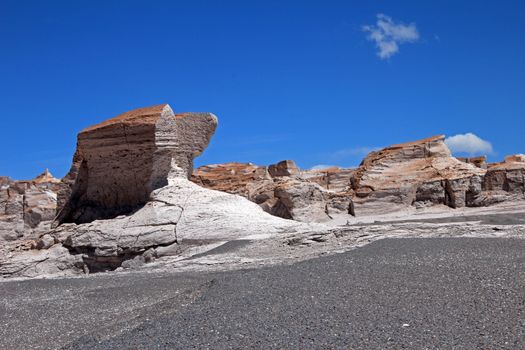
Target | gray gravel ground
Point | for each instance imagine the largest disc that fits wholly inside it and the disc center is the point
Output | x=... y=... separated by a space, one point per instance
x=435 y=293
x=486 y=219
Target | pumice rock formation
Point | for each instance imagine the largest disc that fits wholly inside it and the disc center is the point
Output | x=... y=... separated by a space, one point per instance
x=282 y=189
x=503 y=181
x=409 y=175
x=27 y=208
x=120 y=161
x=423 y=171
x=127 y=199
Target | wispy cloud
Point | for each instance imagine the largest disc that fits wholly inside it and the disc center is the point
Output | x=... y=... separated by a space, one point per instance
x=388 y=34
x=468 y=143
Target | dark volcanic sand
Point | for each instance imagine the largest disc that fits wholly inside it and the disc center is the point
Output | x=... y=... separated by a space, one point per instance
x=462 y=293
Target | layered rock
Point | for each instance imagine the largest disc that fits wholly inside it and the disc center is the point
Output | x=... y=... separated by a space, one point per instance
x=415 y=173
x=234 y=178
x=334 y=179
x=120 y=161
x=300 y=200
x=503 y=181
x=480 y=162
x=420 y=173
x=284 y=168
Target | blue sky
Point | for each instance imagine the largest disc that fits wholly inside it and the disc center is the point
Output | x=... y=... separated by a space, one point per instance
x=320 y=82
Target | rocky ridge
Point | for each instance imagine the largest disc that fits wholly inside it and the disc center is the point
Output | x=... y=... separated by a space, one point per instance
x=415 y=174
x=127 y=199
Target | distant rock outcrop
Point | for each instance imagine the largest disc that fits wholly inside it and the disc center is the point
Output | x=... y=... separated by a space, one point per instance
x=480 y=162
x=27 y=208
x=503 y=181
x=420 y=173
x=234 y=178
x=282 y=189
x=283 y=168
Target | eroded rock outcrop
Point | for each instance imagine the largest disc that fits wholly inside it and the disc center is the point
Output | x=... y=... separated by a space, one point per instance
x=27 y=208
x=480 y=162
x=503 y=181
x=128 y=200
x=282 y=189
x=415 y=173
x=284 y=168
x=234 y=178
x=420 y=173
x=121 y=160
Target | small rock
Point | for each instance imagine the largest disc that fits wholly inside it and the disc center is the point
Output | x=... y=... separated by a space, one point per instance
x=45 y=242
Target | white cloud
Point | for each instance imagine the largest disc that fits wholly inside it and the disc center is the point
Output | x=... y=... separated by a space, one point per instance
x=468 y=143
x=388 y=34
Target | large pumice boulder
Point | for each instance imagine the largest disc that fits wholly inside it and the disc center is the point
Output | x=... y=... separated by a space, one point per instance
x=120 y=161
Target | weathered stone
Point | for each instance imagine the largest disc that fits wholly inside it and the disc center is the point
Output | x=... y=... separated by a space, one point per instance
x=283 y=168
x=420 y=171
x=27 y=208
x=333 y=179
x=301 y=201
x=127 y=200
x=121 y=160
x=170 y=250
x=56 y=261
x=44 y=242
x=175 y=213
x=456 y=190
x=503 y=181
x=480 y=162
x=431 y=192
x=515 y=158
x=234 y=178
x=288 y=193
